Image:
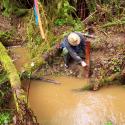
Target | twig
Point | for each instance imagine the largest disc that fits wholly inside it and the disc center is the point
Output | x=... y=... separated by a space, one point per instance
x=87 y=35
x=45 y=80
x=89 y=16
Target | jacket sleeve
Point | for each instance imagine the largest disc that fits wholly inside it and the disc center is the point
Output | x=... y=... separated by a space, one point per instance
x=73 y=54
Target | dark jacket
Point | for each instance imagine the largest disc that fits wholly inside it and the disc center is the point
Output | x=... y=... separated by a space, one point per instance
x=75 y=51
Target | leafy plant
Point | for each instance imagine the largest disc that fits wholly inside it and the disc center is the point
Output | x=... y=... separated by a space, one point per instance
x=91 y=5
x=108 y=123
x=11 y=8
x=5 y=117
x=115 y=65
x=64 y=14
x=5 y=35
x=8 y=8
x=59 y=22
x=65 y=9
x=78 y=25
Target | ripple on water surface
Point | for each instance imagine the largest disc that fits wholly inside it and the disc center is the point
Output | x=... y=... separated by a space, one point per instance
x=59 y=105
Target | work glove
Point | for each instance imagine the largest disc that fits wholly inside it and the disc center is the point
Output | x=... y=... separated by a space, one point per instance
x=83 y=64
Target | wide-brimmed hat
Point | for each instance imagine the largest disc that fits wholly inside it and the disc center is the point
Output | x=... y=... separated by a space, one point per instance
x=73 y=39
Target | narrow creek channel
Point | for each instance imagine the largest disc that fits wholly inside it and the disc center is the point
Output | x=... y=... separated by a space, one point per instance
x=60 y=105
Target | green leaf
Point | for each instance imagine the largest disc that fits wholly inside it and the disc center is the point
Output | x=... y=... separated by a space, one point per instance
x=108 y=123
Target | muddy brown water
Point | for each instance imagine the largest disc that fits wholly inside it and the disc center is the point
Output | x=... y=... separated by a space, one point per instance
x=60 y=105
x=20 y=56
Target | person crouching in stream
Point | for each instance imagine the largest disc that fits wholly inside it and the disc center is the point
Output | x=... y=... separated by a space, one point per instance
x=73 y=47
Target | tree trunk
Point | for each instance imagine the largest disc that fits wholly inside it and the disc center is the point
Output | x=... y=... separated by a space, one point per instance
x=19 y=95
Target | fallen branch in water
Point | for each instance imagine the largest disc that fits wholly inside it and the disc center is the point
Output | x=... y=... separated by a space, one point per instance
x=44 y=79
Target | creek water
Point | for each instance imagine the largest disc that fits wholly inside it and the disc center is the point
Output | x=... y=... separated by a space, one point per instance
x=20 y=55
x=58 y=104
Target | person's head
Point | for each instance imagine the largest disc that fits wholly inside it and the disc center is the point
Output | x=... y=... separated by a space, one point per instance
x=73 y=39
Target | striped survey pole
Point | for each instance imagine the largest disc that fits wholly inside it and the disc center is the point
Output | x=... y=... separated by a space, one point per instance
x=38 y=19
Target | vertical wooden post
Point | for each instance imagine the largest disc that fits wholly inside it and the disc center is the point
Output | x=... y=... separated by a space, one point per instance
x=87 y=53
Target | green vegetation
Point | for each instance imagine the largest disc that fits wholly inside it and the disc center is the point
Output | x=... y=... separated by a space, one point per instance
x=3 y=77
x=5 y=95
x=5 y=118
x=9 y=67
x=13 y=78
x=118 y=23
x=108 y=123
x=5 y=35
x=8 y=8
x=11 y=8
x=36 y=45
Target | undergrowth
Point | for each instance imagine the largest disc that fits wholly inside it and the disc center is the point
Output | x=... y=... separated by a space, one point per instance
x=5 y=118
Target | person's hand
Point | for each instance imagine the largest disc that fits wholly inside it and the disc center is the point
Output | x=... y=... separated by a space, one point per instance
x=83 y=64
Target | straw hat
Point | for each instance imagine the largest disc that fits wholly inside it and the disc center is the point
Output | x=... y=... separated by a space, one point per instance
x=74 y=39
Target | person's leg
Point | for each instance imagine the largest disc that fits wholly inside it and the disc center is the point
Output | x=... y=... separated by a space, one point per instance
x=66 y=60
x=66 y=56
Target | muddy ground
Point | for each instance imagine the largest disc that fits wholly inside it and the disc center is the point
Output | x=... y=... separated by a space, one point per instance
x=107 y=58
x=107 y=51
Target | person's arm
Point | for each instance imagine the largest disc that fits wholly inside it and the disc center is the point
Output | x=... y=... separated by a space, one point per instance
x=72 y=53
x=75 y=56
x=83 y=45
